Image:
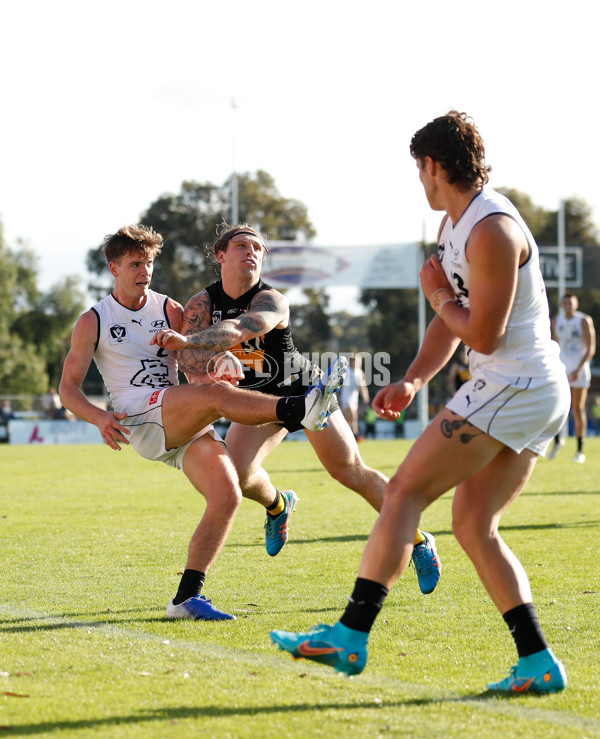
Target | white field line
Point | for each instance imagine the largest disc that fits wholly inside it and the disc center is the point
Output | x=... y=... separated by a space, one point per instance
x=282 y=663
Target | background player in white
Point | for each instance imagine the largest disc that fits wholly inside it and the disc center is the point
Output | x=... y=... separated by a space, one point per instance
x=576 y=336
x=353 y=391
x=486 y=288
x=163 y=420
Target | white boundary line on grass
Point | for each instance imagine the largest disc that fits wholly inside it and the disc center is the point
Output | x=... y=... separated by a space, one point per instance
x=500 y=706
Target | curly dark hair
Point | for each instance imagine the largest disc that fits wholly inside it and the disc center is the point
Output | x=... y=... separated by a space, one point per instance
x=225 y=232
x=128 y=239
x=454 y=142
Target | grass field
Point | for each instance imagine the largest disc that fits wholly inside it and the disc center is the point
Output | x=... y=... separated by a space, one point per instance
x=92 y=543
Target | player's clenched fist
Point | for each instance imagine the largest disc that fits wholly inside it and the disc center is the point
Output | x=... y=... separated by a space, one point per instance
x=169 y=340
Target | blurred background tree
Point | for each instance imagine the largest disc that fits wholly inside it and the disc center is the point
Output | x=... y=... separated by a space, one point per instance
x=34 y=326
x=188 y=221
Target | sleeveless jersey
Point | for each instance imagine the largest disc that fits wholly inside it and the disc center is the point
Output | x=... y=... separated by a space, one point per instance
x=527 y=347
x=569 y=332
x=128 y=364
x=271 y=361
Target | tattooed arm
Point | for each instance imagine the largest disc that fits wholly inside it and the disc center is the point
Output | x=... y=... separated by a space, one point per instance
x=200 y=341
x=267 y=310
x=196 y=318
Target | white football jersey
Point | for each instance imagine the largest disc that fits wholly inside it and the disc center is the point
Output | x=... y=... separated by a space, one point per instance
x=569 y=332
x=527 y=347
x=127 y=362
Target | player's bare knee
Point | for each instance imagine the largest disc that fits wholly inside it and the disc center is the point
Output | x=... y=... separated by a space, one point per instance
x=221 y=395
x=226 y=500
x=470 y=531
x=246 y=477
x=395 y=492
x=460 y=529
x=352 y=476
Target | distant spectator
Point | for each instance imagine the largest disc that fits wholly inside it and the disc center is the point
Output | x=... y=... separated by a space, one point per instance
x=63 y=414
x=370 y=420
x=7 y=413
x=51 y=403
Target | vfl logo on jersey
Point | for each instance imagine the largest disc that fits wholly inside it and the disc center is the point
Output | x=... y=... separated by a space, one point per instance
x=118 y=334
x=216 y=317
x=479 y=384
x=154 y=397
x=153 y=374
x=158 y=324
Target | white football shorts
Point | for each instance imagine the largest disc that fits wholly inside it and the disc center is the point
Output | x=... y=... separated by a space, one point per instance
x=148 y=435
x=584 y=378
x=522 y=413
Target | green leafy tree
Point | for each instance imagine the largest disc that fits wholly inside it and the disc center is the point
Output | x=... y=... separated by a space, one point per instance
x=188 y=220
x=393 y=325
x=34 y=326
x=310 y=322
x=350 y=333
x=22 y=369
x=48 y=323
x=580 y=230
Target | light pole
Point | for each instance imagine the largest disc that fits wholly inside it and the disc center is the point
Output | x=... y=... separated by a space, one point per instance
x=562 y=241
x=234 y=181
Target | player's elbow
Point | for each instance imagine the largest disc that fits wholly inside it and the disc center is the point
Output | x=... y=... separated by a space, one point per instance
x=63 y=393
x=486 y=344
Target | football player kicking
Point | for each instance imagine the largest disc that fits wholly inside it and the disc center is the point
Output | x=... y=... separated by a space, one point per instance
x=168 y=422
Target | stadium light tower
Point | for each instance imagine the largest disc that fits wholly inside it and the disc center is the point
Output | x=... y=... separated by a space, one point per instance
x=234 y=181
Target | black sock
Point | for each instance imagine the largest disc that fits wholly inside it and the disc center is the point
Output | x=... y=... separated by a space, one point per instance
x=190 y=585
x=525 y=629
x=579 y=443
x=557 y=439
x=364 y=604
x=275 y=503
x=290 y=411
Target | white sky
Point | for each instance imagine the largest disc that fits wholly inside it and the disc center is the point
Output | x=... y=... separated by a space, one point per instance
x=107 y=106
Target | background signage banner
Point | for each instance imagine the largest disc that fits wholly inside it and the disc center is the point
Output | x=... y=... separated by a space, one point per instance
x=573 y=265
x=53 y=432
x=391 y=266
